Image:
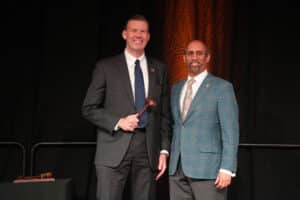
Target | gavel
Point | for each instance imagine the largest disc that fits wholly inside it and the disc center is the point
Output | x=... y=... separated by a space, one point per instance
x=150 y=103
x=40 y=176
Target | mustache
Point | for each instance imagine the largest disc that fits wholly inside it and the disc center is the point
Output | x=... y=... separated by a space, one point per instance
x=194 y=62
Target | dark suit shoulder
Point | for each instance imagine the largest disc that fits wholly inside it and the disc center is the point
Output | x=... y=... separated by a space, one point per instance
x=109 y=64
x=110 y=60
x=156 y=62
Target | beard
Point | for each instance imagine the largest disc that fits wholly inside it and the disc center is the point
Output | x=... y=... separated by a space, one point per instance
x=195 y=67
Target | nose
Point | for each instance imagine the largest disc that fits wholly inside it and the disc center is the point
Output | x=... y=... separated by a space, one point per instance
x=194 y=56
x=138 y=34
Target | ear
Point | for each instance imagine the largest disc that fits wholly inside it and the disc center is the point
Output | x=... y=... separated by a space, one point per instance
x=208 y=58
x=148 y=36
x=124 y=34
x=184 y=59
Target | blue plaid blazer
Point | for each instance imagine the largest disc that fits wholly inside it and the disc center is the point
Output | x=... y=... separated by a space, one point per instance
x=208 y=139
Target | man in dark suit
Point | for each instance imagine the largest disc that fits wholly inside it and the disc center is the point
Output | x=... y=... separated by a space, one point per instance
x=129 y=143
x=204 y=147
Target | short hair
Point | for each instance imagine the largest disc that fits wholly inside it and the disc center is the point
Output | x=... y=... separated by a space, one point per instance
x=137 y=17
x=207 y=50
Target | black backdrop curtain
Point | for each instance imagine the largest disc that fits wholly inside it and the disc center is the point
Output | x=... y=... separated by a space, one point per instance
x=50 y=48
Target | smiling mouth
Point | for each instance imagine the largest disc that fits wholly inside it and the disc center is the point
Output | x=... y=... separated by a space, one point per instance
x=138 y=41
x=194 y=64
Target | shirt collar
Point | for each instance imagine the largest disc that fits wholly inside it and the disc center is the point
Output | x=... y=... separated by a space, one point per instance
x=131 y=59
x=200 y=77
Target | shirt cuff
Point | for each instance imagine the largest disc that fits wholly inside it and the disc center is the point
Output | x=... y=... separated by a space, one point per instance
x=228 y=172
x=117 y=126
x=164 y=152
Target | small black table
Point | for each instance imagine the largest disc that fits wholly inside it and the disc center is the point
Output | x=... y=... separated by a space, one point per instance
x=60 y=189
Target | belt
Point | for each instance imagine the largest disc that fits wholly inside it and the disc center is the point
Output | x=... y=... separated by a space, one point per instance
x=141 y=130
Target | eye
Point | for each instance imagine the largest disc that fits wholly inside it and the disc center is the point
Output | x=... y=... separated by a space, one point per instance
x=189 y=53
x=197 y=53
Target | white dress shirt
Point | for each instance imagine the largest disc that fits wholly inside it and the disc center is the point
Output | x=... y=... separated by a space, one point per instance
x=198 y=81
x=130 y=61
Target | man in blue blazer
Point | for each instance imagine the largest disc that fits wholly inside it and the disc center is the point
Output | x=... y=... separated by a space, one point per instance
x=203 y=157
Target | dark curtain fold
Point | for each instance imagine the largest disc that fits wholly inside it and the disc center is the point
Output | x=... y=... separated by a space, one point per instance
x=210 y=21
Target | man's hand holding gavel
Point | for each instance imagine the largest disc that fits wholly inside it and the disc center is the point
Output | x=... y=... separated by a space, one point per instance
x=130 y=122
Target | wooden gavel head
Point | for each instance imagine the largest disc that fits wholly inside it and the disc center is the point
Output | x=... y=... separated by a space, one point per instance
x=46 y=175
x=150 y=102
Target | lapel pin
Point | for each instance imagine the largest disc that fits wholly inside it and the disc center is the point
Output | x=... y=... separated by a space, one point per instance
x=207 y=85
x=152 y=69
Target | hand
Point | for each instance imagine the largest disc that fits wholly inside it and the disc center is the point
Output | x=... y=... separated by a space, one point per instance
x=129 y=123
x=162 y=165
x=223 y=180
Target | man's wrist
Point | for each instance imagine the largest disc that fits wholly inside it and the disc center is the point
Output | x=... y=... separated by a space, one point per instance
x=227 y=172
x=117 y=126
x=165 y=152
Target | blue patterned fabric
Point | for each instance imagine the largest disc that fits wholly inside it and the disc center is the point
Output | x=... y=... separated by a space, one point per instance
x=208 y=138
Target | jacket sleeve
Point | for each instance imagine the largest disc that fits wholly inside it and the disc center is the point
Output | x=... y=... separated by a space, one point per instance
x=165 y=128
x=228 y=115
x=93 y=106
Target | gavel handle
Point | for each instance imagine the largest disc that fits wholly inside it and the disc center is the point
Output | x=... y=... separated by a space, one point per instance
x=41 y=176
x=143 y=110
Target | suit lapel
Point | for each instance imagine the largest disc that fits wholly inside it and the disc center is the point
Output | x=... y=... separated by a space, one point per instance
x=124 y=76
x=204 y=87
x=177 y=98
x=151 y=74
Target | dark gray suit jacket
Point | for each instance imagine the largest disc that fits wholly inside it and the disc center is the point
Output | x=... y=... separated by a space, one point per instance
x=110 y=97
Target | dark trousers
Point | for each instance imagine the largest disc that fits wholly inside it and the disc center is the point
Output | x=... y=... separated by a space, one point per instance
x=186 y=188
x=111 y=181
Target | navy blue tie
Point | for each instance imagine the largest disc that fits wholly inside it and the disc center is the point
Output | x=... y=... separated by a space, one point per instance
x=140 y=97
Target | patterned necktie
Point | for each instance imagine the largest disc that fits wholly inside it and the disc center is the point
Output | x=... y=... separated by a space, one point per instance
x=140 y=97
x=187 y=99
